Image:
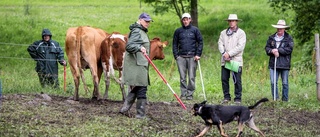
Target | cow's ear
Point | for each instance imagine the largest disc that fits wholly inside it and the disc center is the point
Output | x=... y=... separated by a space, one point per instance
x=166 y=43
x=156 y=38
x=126 y=38
x=204 y=102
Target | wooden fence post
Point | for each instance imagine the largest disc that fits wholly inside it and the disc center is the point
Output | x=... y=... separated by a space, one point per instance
x=316 y=39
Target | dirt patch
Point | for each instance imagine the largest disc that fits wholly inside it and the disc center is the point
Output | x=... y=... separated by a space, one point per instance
x=165 y=118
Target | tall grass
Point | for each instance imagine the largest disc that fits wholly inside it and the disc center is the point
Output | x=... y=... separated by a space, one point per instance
x=22 y=21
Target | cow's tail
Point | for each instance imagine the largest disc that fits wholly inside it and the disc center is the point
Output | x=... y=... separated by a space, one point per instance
x=258 y=103
x=78 y=47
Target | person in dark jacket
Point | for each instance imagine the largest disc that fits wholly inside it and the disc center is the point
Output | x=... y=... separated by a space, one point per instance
x=187 y=49
x=47 y=53
x=136 y=66
x=279 y=47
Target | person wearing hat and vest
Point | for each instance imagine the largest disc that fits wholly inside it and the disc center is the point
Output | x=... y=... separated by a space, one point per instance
x=279 y=48
x=47 y=53
x=136 y=66
x=231 y=45
x=187 y=49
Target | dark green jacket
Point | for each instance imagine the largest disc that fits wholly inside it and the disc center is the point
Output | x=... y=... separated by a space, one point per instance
x=136 y=66
x=47 y=55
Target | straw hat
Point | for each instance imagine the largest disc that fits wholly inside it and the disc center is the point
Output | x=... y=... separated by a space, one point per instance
x=233 y=17
x=281 y=25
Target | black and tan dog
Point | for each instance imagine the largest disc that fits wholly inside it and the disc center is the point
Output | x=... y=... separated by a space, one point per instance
x=220 y=115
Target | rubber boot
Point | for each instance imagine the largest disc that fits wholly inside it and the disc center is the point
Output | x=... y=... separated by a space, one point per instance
x=140 y=106
x=128 y=103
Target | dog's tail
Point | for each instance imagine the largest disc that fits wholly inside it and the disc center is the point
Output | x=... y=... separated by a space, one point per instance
x=258 y=103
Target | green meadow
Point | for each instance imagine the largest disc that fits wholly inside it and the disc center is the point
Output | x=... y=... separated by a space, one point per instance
x=21 y=23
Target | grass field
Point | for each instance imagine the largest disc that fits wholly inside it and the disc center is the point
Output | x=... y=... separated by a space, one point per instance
x=22 y=21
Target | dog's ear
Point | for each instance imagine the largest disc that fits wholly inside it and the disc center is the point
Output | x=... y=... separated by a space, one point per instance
x=204 y=102
x=195 y=106
x=195 y=109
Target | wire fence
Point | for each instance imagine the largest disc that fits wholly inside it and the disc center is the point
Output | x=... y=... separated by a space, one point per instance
x=5 y=63
x=22 y=58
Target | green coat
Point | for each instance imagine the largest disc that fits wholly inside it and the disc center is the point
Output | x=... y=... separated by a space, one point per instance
x=136 y=66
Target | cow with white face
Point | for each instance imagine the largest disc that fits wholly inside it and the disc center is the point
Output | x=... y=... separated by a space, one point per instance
x=112 y=54
x=113 y=51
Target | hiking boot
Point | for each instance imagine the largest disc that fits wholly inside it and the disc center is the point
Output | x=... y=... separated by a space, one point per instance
x=189 y=98
x=183 y=97
x=237 y=102
x=225 y=101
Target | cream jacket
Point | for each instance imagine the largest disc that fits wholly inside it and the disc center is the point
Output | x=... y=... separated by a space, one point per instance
x=234 y=45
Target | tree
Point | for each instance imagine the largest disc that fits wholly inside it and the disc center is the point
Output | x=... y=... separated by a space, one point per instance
x=306 y=20
x=177 y=6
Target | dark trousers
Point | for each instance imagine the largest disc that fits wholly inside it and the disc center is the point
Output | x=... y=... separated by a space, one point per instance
x=46 y=79
x=225 y=75
x=140 y=92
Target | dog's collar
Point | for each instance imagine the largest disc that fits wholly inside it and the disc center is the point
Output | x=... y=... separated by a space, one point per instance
x=199 y=111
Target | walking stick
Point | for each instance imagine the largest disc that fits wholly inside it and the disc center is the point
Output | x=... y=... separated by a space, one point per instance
x=165 y=81
x=64 y=78
x=274 y=78
x=204 y=93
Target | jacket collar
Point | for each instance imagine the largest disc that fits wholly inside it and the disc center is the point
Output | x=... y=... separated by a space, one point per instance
x=187 y=27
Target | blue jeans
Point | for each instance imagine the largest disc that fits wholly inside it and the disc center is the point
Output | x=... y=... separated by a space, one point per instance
x=187 y=66
x=284 y=73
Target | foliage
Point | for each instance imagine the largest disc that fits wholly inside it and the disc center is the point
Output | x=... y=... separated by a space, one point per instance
x=307 y=19
x=162 y=6
x=176 y=6
x=307 y=59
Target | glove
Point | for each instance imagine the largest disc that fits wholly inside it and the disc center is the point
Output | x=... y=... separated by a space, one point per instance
x=63 y=62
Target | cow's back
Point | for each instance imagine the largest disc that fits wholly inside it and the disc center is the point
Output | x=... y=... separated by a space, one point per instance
x=90 y=41
x=70 y=43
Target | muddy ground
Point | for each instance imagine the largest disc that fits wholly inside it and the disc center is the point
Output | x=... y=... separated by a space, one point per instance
x=165 y=118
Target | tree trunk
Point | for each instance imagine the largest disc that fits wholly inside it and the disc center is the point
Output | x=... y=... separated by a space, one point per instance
x=194 y=12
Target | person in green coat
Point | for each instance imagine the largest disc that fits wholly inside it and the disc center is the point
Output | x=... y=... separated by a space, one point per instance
x=47 y=53
x=136 y=66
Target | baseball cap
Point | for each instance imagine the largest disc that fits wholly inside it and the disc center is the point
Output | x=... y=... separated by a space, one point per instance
x=145 y=17
x=186 y=15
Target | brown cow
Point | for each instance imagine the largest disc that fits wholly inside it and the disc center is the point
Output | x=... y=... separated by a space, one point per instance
x=116 y=44
x=83 y=48
x=156 y=48
x=113 y=49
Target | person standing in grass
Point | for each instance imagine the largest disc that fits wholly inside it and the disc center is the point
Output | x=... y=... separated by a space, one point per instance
x=231 y=45
x=279 y=48
x=136 y=66
x=187 y=49
x=47 y=53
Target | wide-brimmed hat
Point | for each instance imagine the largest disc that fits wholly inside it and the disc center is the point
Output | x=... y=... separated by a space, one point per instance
x=185 y=15
x=145 y=17
x=281 y=25
x=233 y=17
